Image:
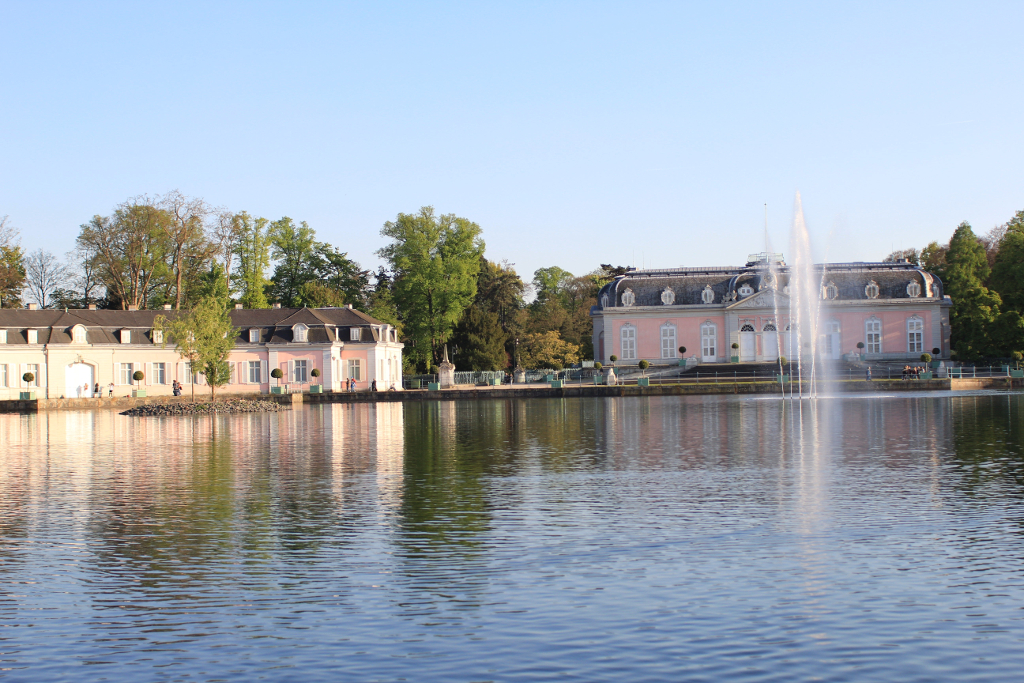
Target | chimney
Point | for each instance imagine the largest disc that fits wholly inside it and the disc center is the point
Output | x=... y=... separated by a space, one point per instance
x=132 y=308
x=348 y=306
x=32 y=307
x=167 y=307
x=277 y=305
x=238 y=307
x=92 y=307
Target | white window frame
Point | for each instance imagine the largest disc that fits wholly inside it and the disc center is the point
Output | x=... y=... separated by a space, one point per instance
x=913 y=289
x=708 y=340
x=915 y=334
x=627 y=341
x=745 y=290
x=254 y=335
x=3 y=336
x=353 y=369
x=78 y=335
x=158 y=336
x=121 y=369
x=158 y=373
x=255 y=376
x=34 y=369
x=32 y=336
x=830 y=291
x=299 y=333
x=126 y=336
x=669 y=338
x=873 y=335
x=300 y=371
x=871 y=290
x=4 y=376
x=355 y=334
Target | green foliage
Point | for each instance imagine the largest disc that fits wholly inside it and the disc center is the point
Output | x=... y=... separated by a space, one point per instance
x=253 y=250
x=926 y=358
x=1008 y=270
x=912 y=255
x=478 y=341
x=783 y=361
x=204 y=337
x=933 y=259
x=598 y=365
x=317 y=295
x=975 y=308
x=435 y=260
x=277 y=373
x=138 y=375
x=28 y=377
x=540 y=350
x=314 y=373
x=613 y=358
x=682 y=350
x=643 y=365
x=293 y=247
x=335 y=271
x=12 y=275
x=549 y=283
x=860 y=345
x=214 y=284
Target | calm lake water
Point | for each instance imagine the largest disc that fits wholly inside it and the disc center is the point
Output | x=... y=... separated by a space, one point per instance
x=633 y=539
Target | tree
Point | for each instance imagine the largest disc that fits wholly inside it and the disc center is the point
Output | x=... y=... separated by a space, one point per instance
x=293 y=247
x=225 y=237
x=975 y=308
x=912 y=255
x=479 y=342
x=548 y=350
x=933 y=259
x=185 y=236
x=549 y=283
x=336 y=271
x=253 y=249
x=316 y=295
x=12 y=266
x=435 y=260
x=203 y=337
x=214 y=283
x=43 y=275
x=1008 y=270
x=83 y=268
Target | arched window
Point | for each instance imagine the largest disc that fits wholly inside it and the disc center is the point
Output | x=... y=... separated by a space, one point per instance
x=769 y=327
x=604 y=301
x=668 y=341
x=915 y=335
x=913 y=289
x=873 y=335
x=746 y=290
x=708 y=341
x=78 y=334
x=668 y=297
x=628 y=298
x=871 y=290
x=708 y=295
x=628 y=342
x=830 y=291
x=299 y=333
x=747 y=328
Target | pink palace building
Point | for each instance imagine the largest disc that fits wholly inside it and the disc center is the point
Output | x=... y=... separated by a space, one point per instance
x=897 y=310
x=69 y=352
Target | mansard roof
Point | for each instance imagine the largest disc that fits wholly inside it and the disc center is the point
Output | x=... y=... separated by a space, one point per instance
x=688 y=285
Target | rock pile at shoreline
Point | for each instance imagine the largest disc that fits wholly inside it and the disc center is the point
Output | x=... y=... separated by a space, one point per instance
x=236 y=405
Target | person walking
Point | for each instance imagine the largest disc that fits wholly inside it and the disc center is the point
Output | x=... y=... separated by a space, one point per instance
x=373 y=387
x=867 y=373
x=110 y=390
x=96 y=391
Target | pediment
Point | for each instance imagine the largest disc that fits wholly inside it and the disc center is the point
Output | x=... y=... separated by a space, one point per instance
x=765 y=299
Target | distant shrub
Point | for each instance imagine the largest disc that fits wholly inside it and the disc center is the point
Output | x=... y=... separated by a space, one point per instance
x=28 y=377
x=926 y=358
x=613 y=358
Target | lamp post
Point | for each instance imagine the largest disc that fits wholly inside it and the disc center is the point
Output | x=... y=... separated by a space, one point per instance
x=516 y=360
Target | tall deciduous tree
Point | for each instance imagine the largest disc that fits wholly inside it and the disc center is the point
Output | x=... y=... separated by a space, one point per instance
x=203 y=337
x=435 y=260
x=185 y=237
x=253 y=249
x=975 y=308
x=44 y=273
x=292 y=246
x=12 y=266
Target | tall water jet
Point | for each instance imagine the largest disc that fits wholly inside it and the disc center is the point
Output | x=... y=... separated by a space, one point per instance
x=805 y=288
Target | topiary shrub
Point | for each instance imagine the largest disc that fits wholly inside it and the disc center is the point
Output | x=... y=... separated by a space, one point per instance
x=735 y=345
x=860 y=345
x=682 y=350
x=783 y=361
x=28 y=377
x=277 y=374
x=315 y=372
x=597 y=365
x=926 y=358
x=138 y=376
x=936 y=351
x=613 y=358
x=643 y=365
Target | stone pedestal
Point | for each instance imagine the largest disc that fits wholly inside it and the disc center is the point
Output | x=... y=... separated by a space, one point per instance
x=446 y=372
x=519 y=376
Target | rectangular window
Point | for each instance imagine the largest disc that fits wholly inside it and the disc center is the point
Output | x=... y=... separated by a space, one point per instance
x=873 y=332
x=34 y=369
x=353 y=334
x=299 y=371
x=355 y=369
x=126 y=336
x=158 y=337
x=668 y=342
x=3 y=336
x=254 y=372
x=915 y=335
x=159 y=374
x=628 y=343
x=254 y=336
x=33 y=336
x=125 y=372
x=3 y=376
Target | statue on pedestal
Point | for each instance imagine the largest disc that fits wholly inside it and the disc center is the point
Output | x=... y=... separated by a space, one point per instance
x=519 y=375
x=446 y=371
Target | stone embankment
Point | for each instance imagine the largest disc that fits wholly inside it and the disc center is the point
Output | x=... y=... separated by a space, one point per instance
x=238 y=405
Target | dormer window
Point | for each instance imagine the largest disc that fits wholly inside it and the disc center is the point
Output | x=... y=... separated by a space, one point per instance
x=830 y=291
x=914 y=290
x=708 y=295
x=158 y=336
x=254 y=336
x=354 y=334
x=3 y=336
x=299 y=333
x=668 y=297
x=126 y=336
x=78 y=334
x=746 y=290
x=628 y=298
x=33 y=336
x=871 y=290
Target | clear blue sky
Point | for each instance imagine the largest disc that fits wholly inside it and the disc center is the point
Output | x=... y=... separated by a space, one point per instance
x=573 y=133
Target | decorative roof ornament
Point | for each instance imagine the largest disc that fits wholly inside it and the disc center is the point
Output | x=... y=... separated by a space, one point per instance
x=871 y=290
x=628 y=298
x=708 y=295
x=668 y=297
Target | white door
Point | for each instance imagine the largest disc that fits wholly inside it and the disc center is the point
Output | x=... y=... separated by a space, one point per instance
x=748 y=347
x=78 y=381
x=770 y=345
x=708 y=343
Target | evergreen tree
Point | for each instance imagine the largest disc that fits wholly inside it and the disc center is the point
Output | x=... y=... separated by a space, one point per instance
x=479 y=341
x=1008 y=271
x=975 y=309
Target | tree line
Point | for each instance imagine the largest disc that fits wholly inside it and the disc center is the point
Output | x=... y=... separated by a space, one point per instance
x=437 y=287
x=984 y=276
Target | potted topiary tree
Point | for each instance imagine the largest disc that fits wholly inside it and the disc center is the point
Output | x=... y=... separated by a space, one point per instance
x=315 y=388
x=682 y=353
x=598 y=377
x=644 y=381
x=926 y=358
x=735 y=358
x=860 y=350
x=783 y=375
x=936 y=352
x=138 y=392
x=277 y=374
x=1017 y=372
x=613 y=358
x=29 y=395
